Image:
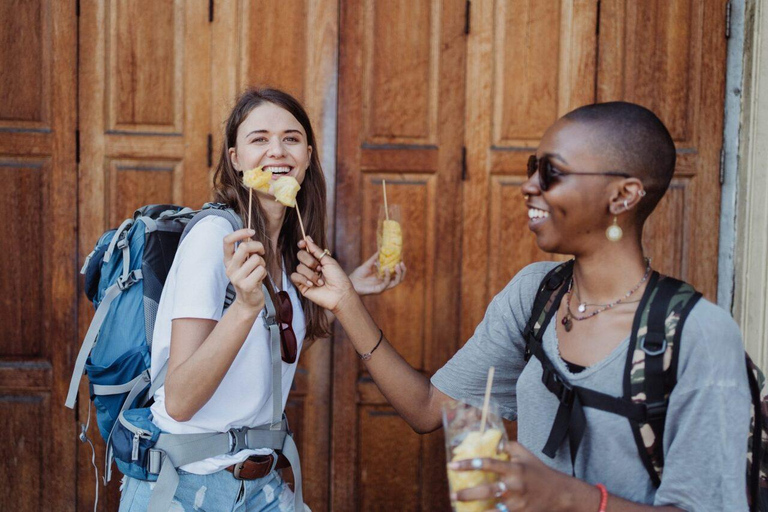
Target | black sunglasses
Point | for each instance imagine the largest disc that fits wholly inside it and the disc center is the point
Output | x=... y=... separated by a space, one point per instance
x=548 y=173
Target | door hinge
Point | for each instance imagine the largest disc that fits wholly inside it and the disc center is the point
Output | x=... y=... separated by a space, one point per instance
x=77 y=8
x=210 y=150
x=722 y=165
x=464 y=163
x=210 y=11
x=467 y=16
x=77 y=146
x=728 y=19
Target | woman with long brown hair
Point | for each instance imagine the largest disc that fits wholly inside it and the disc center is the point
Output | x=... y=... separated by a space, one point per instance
x=219 y=360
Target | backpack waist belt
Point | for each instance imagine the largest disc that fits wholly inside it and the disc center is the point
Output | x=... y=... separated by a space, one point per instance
x=174 y=450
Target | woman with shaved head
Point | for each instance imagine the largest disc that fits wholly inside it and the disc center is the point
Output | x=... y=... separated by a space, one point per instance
x=617 y=408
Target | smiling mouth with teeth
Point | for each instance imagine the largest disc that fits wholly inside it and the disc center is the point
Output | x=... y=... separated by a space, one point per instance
x=278 y=171
x=535 y=213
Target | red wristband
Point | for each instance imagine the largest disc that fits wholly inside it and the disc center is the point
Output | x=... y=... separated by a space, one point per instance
x=603 y=497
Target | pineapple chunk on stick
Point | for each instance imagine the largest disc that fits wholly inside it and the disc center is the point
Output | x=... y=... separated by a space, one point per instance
x=257 y=179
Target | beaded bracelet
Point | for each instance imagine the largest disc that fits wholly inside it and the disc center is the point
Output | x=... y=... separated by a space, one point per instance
x=603 y=497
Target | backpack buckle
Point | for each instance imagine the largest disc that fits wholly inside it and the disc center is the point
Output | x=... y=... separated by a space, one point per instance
x=238 y=439
x=655 y=411
x=654 y=344
x=125 y=282
x=558 y=387
x=269 y=320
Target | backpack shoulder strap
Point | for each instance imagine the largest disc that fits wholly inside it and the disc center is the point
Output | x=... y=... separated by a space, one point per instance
x=652 y=359
x=549 y=295
x=215 y=209
x=757 y=445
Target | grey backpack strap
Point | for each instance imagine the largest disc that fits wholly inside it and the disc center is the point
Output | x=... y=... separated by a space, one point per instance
x=217 y=210
x=270 y=322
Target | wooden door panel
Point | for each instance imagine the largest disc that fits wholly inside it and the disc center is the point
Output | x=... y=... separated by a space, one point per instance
x=37 y=314
x=400 y=94
x=401 y=101
x=134 y=183
x=27 y=52
x=144 y=91
x=670 y=57
x=542 y=57
x=27 y=185
x=389 y=453
x=145 y=66
x=274 y=39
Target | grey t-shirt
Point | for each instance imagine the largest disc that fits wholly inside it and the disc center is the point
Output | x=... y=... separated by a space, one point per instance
x=705 y=435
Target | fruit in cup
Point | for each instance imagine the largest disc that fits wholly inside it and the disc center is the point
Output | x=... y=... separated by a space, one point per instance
x=476 y=445
x=390 y=246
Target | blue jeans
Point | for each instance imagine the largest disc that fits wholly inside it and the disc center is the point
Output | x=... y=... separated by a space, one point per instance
x=216 y=492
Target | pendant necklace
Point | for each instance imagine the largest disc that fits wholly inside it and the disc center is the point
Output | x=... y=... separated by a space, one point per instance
x=569 y=316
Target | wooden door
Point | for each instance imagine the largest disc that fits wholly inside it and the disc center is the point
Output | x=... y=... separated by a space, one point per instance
x=38 y=239
x=531 y=62
x=401 y=108
x=144 y=94
x=291 y=45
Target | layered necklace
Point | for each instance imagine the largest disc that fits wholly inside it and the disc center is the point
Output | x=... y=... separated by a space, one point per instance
x=569 y=316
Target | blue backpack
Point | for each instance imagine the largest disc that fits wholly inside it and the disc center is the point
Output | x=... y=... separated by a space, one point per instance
x=124 y=278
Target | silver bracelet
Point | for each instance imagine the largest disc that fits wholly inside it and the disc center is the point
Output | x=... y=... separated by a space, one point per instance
x=368 y=355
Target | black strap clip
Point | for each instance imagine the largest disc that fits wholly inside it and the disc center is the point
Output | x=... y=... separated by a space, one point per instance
x=655 y=410
x=558 y=387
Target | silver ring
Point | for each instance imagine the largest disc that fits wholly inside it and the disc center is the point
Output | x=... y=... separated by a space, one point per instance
x=501 y=489
x=502 y=507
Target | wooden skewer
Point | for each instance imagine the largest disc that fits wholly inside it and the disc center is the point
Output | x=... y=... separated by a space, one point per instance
x=301 y=224
x=386 y=208
x=486 y=404
x=250 y=204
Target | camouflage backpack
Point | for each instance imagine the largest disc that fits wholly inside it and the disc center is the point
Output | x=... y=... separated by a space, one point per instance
x=650 y=375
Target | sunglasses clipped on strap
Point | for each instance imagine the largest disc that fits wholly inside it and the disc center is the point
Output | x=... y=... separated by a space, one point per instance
x=548 y=173
x=288 y=344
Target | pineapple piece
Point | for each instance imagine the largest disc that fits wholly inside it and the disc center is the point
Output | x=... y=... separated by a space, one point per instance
x=476 y=445
x=390 y=246
x=285 y=190
x=258 y=179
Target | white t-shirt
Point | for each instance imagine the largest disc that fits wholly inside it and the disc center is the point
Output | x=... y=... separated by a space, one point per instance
x=195 y=288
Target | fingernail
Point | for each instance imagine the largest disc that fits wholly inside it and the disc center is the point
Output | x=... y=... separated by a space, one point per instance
x=310 y=239
x=453 y=496
x=321 y=282
x=453 y=465
x=252 y=232
x=309 y=283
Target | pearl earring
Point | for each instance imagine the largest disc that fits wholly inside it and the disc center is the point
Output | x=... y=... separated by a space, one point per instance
x=614 y=231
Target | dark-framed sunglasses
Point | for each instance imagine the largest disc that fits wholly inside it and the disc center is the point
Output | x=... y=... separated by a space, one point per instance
x=548 y=174
x=284 y=316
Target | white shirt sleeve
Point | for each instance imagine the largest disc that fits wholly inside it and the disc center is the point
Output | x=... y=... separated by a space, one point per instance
x=201 y=280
